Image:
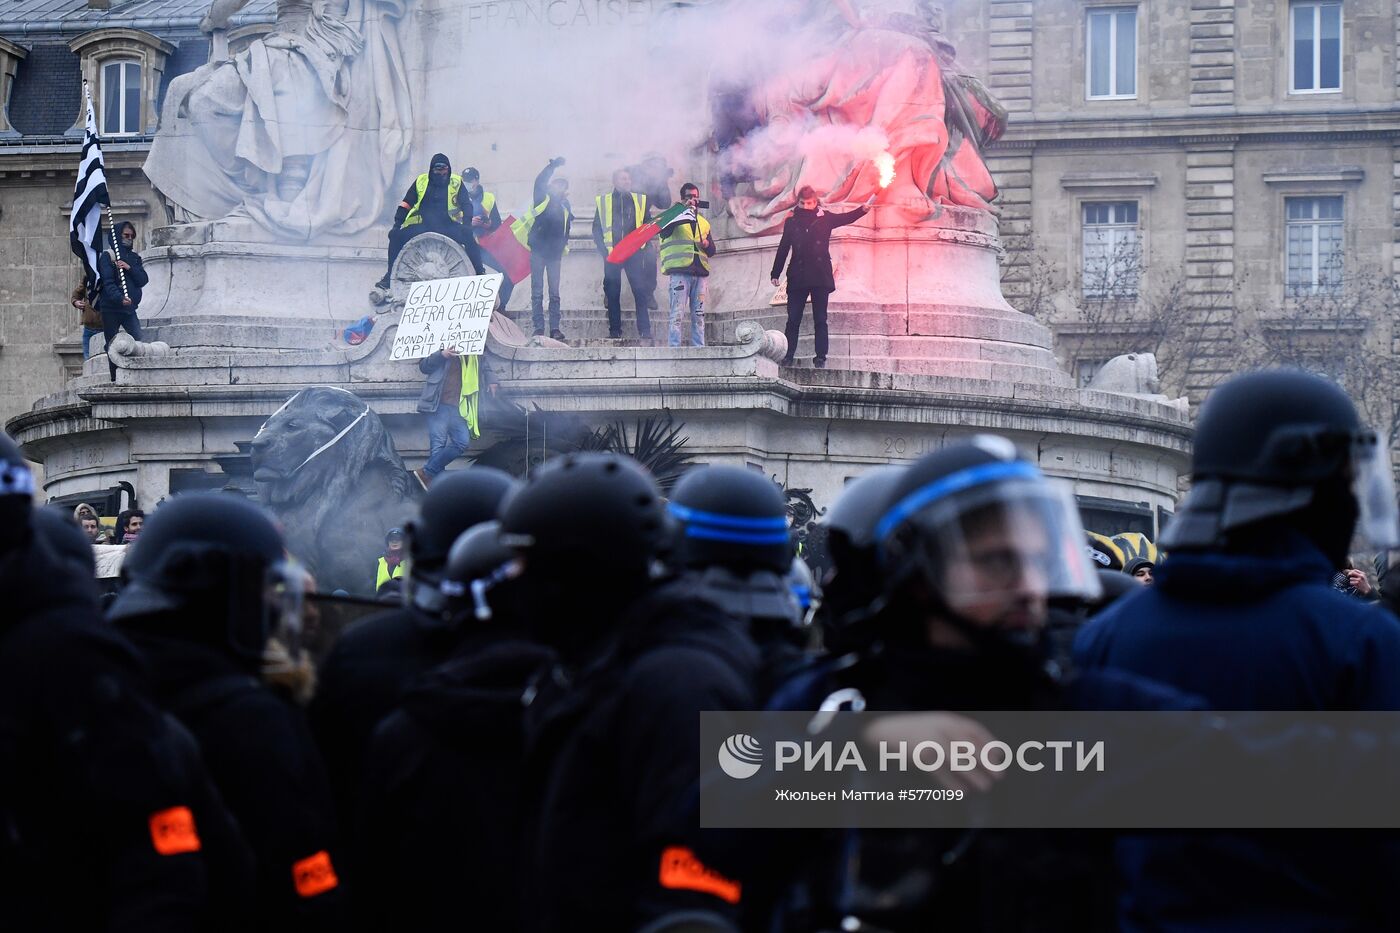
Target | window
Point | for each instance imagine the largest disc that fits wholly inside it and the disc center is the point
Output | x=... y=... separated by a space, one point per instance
x=1112 y=54
x=1313 y=240
x=121 y=98
x=1317 y=47
x=1112 y=253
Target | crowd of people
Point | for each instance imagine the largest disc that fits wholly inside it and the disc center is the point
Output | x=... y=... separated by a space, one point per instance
x=515 y=745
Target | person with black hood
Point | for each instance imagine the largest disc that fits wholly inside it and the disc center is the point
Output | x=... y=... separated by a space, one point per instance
x=436 y=202
x=441 y=809
x=1243 y=614
x=363 y=677
x=110 y=821
x=807 y=236
x=209 y=592
x=612 y=727
x=120 y=277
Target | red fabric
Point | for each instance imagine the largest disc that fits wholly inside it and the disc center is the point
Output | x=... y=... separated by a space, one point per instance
x=502 y=244
x=628 y=246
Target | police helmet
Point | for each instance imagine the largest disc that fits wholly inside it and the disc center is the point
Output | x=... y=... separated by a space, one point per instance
x=1270 y=444
x=477 y=564
x=979 y=529
x=588 y=514
x=219 y=562
x=732 y=517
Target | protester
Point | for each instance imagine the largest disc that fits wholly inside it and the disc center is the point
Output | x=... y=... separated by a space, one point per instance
x=486 y=218
x=612 y=728
x=686 y=248
x=364 y=675
x=807 y=236
x=121 y=275
x=129 y=525
x=390 y=563
x=87 y=519
x=433 y=204
x=1141 y=570
x=1283 y=473
x=209 y=589
x=451 y=399
x=110 y=820
x=545 y=229
x=88 y=315
x=618 y=213
x=652 y=177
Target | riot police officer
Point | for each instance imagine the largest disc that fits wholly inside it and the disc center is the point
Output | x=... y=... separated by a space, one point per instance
x=109 y=820
x=210 y=591
x=1243 y=614
x=732 y=541
x=363 y=677
x=612 y=726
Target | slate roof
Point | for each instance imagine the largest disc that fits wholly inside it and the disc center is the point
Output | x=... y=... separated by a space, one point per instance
x=47 y=91
x=19 y=18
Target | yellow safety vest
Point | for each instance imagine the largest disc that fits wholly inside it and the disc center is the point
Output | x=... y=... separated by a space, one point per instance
x=604 y=202
x=488 y=201
x=522 y=227
x=469 y=405
x=680 y=247
x=454 y=210
x=384 y=576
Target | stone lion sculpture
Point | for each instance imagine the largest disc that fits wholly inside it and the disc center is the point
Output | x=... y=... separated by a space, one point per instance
x=1133 y=374
x=328 y=470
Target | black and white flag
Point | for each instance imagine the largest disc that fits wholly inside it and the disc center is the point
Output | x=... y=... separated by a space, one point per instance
x=89 y=198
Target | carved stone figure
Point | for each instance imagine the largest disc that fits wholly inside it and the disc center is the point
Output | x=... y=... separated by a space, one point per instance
x=885 y=86
x=328 y=470
x=1133 y=374
x=278 y=132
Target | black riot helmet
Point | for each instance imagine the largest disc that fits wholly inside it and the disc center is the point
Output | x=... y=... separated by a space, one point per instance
x=455 y=502
x=980 y=538
x=479 y=568
x=1285 y=446
x=853 y=584
x=589 y=528
x=211 y=568
x=730 y=517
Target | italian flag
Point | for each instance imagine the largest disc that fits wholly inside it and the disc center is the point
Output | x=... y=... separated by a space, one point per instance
x=628 y=246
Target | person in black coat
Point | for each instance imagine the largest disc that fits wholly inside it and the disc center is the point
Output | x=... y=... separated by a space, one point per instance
x=203 y=606
x=118 y=307
x=109 y=820
x=807 y=235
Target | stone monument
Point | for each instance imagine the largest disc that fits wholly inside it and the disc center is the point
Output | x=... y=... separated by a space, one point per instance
x=253 y=285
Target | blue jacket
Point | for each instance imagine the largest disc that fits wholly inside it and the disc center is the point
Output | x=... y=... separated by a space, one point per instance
x=1263 y=632
x=109 y=295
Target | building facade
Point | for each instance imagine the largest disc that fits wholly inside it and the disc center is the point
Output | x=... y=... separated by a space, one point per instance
x=1216 y=181
x=128 y=51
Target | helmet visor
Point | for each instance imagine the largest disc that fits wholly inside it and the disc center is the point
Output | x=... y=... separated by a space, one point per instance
x=1373 y=485
x=1000 y=550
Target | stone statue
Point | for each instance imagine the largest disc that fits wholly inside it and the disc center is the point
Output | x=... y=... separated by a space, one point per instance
x=302 y=132
x=1134 y=374
x=884 y=86
x=328 y=470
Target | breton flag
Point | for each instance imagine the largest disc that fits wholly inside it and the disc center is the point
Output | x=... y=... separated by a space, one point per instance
x=89 y=198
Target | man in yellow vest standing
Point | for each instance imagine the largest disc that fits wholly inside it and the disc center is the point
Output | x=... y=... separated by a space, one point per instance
x=436 y=202
x=451 y=399
x=545 y=230
x=390 y=566
x=486 y=219
x=686 y=248
x=619 y=213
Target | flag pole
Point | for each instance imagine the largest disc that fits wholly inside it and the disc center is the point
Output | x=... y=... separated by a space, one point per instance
x=111 y=223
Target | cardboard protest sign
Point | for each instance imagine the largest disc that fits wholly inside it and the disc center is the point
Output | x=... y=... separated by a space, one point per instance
x=443 y=314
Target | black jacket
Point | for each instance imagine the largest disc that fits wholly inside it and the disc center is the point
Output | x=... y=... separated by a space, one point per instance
x=87 y=761
x=612 y=763
x=109 y=294
x=261 y=756
x=624 y=219
x=361 y=681
x=807 y=235
x=550 y=233
x=441 y=806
